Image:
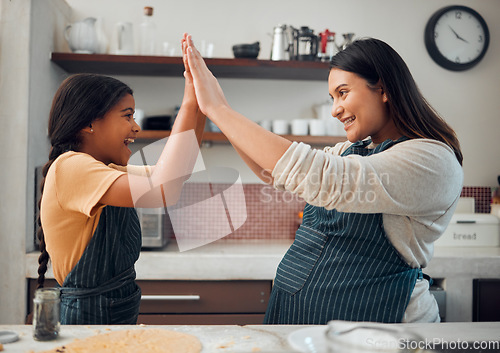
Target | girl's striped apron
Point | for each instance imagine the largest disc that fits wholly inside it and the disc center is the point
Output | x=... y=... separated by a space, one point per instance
x=341 y=266
x=101 y=288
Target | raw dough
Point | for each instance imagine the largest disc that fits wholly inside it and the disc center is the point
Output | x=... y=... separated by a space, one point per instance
x=128 y=341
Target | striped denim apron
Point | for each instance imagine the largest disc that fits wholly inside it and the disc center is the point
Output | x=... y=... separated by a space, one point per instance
x=101 y=288
x=341 y=266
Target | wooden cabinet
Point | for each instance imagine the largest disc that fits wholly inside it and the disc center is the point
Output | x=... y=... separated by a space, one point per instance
x=203 y=302
x=166 y=302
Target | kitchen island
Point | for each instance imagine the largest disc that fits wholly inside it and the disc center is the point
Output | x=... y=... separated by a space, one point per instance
x=270 y=338
x=230 y=260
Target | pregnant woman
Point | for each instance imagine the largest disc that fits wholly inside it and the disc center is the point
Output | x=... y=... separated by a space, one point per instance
x=375 y=203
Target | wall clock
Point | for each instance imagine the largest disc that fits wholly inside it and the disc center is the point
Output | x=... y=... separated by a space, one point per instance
x=456 y=37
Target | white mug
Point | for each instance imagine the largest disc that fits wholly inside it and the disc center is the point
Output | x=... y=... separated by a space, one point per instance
x=334 y=127
x=266 y=124
x=317 y=127
x=124 y=38
x=280 y=127
x=300 y=127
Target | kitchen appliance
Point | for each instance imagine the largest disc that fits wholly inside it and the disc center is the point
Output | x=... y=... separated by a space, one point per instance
x=348 y=37
x=327 y=45
x=250 y=51
x=155 y=226
x=82 y=36
x=471 y=230
x=281 y=44
x=306 y=43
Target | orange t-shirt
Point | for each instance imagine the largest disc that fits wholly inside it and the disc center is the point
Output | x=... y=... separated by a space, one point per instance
x=70 y=207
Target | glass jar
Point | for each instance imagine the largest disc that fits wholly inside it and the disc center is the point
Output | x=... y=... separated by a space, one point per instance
x=46 y=309
x=147 y=33
x=356 y=337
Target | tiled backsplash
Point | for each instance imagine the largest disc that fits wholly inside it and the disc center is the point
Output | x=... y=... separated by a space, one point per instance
x=273 y=214
x=481 y=194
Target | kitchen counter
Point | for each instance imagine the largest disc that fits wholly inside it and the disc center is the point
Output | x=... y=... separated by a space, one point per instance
x=257 y=338
x=220 y=260
x=258 y=260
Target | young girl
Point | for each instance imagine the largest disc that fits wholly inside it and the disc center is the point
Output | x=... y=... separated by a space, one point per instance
x=375 y=204
x=89 y=226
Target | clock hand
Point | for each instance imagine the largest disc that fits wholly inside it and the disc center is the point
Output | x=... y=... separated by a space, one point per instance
x=456 y=34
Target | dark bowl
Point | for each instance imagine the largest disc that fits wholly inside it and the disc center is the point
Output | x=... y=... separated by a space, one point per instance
x=159 y=122
x=250 y=51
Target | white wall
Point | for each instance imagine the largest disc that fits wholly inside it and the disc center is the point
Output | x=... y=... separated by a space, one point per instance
x=467 y=100
x=27 y=83
x=14 y=79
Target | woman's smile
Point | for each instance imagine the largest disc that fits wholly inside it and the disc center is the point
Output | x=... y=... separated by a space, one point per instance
x=348 y=122
x=362 y=108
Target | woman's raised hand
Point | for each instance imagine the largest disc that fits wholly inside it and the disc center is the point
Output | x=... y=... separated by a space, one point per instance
x=208 y=91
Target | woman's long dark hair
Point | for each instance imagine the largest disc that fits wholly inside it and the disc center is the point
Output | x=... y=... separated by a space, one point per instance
x=378 y=63
x=80 y=100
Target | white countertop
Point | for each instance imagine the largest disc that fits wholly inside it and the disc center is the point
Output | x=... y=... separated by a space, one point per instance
x=257 y=338
x=258 y=260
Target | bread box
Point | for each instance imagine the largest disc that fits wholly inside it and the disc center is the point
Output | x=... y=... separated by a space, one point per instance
x=471 y=229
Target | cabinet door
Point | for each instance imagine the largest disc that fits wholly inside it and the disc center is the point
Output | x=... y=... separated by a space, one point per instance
x=182 y=297
x=194 y=302
x=485 y=297
x=200 y=319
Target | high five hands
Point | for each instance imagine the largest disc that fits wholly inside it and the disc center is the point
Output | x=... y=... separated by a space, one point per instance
x=208 y=92
x=259 y=148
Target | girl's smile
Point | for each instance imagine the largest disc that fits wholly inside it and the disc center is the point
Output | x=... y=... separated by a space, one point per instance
x=109 y=138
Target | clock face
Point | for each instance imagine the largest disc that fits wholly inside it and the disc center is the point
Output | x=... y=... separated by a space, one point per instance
x=457 y=37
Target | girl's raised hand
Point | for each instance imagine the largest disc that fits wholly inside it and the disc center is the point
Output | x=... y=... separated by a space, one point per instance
x=208 y=91
x=189 y=92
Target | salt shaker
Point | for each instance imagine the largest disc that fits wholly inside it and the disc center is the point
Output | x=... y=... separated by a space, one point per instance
x=46 y=320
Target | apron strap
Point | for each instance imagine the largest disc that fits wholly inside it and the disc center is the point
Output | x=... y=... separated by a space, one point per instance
x=422 y=275
x=114 y=283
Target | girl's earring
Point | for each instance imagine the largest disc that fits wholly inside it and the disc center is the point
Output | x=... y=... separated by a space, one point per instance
x=91 y=130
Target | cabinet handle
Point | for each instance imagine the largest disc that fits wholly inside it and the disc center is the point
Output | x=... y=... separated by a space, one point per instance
x=170 y=297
